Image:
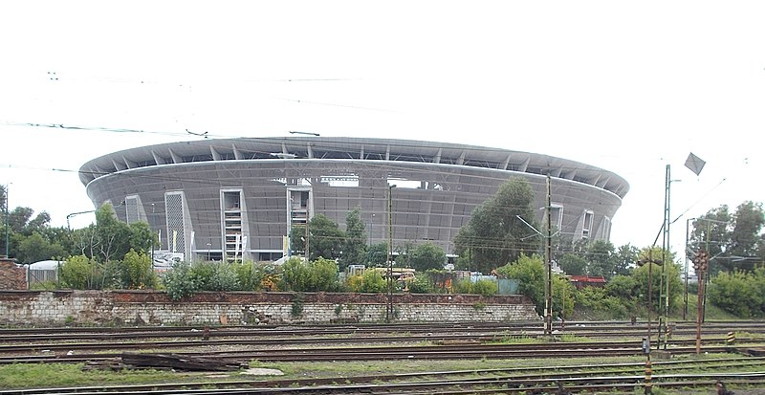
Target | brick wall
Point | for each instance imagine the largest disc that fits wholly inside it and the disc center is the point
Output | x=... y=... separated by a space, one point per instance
x=155 y=308
x=12 y=276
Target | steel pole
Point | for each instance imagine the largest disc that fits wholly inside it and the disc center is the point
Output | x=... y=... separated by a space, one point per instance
x=548 y=262
x=389 y=307
x=7 y=224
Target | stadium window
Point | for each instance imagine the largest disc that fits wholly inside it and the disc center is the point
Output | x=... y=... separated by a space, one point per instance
x=587 y=223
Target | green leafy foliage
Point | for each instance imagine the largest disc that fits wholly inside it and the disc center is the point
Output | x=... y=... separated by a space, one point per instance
x=370 y=281
x=740 y=293
x=79 y=272
x=421 y=285
x=137 y=271
x=179 y=281
x=377 y=254
x=497 y=233
x=355 y=243
x=37 y=247
x=251 y=275
x=427 y=256
x=563 y=294
x=530 y=273
x=481 y=287
x=597 y=304
x=315 y=276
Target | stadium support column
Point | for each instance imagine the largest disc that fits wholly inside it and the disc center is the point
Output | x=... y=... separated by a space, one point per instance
x=548 y=261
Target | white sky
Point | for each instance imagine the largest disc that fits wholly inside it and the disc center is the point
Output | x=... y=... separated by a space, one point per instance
x=626 y=86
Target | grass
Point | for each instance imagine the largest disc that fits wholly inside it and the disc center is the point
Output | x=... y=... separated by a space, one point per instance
x=70 y=375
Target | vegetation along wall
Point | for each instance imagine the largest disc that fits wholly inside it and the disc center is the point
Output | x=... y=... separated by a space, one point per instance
x=156 y=308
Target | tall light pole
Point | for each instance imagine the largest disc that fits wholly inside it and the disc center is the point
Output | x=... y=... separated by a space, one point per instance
x=70 y=215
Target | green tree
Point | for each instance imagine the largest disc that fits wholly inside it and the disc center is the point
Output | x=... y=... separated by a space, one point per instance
x=355 y=248
x=36 y=247
x=377 y=254
x=666 y=268
x=711 y=233
x=573 y=264
x=496 y=233
x=113 y=236
x=601 y=258
x=746 y=235
x=626 y=256
x=427 y=256
x=530 y=273
x=325 y=238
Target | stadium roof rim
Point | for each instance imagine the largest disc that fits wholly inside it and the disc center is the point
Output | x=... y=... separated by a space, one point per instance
x=327 y=148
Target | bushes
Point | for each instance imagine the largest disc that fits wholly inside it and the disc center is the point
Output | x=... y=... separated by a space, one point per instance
x=79 y=272
x=186 y=279
x=739 y=293
x=314 y=276
x=480 y=287
x=133 y=272
x=599 y=304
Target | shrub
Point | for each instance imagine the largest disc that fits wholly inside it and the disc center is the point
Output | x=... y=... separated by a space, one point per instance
x=736 y=293
x=225 y=277
x=137 y=271
x=421 y=285
x=485 y=287
x=78 y=272
x=373 y=282
x=179 y=281
x=315 y=276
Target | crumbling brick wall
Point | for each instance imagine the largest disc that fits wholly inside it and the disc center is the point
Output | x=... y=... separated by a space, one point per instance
x=12 y=276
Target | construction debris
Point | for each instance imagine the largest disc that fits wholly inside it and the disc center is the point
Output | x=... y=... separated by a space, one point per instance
x=177 y=362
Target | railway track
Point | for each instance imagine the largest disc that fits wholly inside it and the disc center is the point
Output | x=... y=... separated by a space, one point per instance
x=369 y=333
x=429 y=352
x=410 y=342
x=625 y=377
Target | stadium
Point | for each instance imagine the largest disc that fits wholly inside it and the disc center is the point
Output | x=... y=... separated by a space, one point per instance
x=239 y=198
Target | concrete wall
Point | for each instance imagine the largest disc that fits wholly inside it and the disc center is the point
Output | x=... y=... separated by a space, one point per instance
x=155 y=308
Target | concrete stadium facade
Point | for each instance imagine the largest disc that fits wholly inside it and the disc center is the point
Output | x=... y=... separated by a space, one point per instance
x=239 y=198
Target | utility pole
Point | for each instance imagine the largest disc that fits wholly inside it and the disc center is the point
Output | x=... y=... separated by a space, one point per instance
x=389 y=306
x=664 y=270
x=7 y=225
x=685 y=258
x=548 y=261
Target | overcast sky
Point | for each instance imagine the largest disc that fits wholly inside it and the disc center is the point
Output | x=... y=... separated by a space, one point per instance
x=627 y=86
